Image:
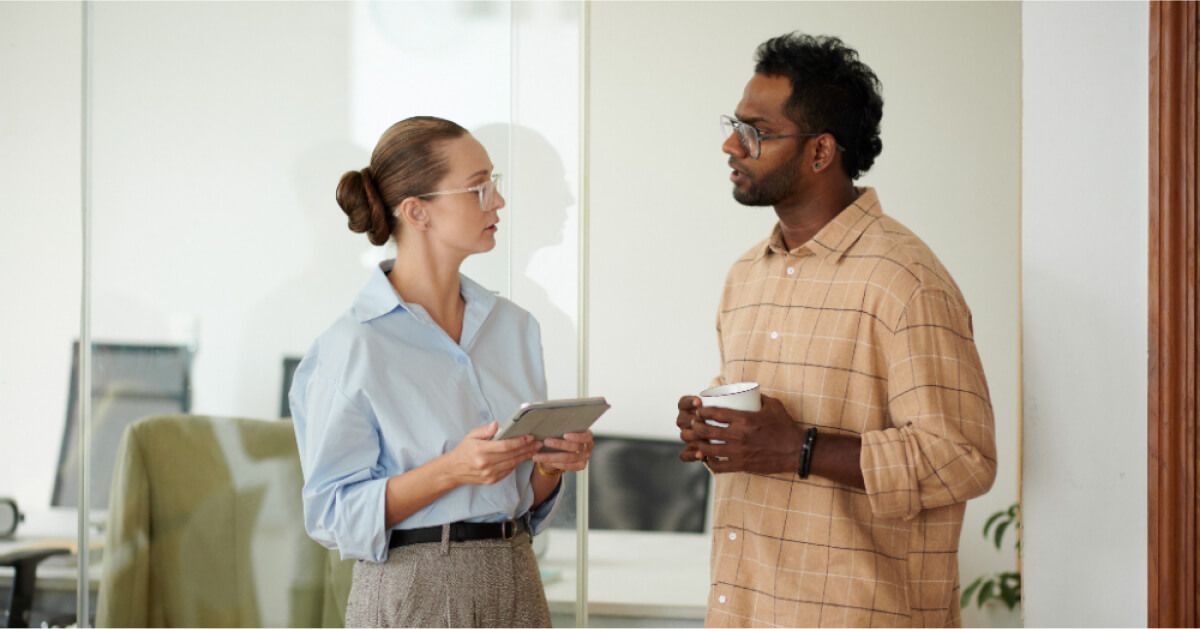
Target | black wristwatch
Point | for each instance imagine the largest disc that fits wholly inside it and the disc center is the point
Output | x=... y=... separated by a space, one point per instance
x=806 y=450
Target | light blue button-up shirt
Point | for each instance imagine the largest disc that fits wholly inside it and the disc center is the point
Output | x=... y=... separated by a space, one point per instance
x=385 y=390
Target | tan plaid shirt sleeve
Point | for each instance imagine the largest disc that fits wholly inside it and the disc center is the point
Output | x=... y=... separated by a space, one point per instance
x=942 y=449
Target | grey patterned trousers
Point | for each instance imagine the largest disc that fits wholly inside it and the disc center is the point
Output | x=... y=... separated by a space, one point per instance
x=484 y=583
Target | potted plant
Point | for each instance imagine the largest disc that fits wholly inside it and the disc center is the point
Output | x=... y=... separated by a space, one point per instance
x=1001 y=586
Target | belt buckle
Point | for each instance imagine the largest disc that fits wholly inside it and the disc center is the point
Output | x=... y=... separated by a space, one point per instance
x=508 y=529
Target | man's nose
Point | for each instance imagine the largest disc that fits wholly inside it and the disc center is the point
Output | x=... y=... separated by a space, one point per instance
x=733 y=146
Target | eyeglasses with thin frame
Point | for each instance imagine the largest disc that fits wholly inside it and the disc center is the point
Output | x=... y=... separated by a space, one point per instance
x=751 y=138
x=486 y=191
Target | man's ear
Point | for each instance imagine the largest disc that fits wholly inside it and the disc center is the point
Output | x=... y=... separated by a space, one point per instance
x=824 y=153
x=413 y=213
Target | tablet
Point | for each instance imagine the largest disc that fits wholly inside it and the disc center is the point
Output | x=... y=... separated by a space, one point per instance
x=553 y=418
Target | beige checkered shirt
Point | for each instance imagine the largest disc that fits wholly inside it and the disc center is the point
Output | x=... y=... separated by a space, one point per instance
x=859 y=331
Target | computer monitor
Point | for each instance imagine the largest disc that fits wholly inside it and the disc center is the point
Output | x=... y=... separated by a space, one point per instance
x=289 y=369
x=639 y=484
x=129 y=382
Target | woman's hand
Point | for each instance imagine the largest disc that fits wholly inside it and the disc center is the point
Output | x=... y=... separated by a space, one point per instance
x=480 y=461
x=576 y=451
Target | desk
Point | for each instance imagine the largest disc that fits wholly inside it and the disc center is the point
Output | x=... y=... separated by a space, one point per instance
x=54 y=527
x=633 y=574
x=55 y=573
x=55 y=584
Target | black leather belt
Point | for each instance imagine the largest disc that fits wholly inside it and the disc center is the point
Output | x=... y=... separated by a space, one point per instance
x=459 y=532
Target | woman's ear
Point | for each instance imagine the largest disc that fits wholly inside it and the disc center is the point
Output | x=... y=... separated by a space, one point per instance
x=413 y=213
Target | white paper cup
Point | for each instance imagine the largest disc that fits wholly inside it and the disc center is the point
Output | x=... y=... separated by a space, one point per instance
x=740 y=396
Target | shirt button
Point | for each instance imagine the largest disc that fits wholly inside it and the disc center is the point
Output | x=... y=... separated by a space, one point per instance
x=721 y=599
x=462 y=360
x=774 y=335
x=483 y=415
x=791 y=271
x=733 y=536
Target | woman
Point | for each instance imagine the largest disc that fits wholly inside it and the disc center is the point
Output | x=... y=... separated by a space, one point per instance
x=395 y=405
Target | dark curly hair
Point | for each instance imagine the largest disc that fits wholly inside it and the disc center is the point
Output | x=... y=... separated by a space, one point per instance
x=832 y=92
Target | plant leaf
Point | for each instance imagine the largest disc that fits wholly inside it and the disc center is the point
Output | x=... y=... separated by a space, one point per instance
x=1010 y=597
x=1009 y=582
x=965 y=599
x=1010 y=588
x=1000 y=532
x=990 y=521
x=987 y=592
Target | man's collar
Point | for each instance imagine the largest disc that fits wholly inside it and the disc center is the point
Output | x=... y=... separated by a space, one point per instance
x=837 y=236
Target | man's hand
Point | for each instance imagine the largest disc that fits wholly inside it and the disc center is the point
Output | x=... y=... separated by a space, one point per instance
x=764 y=442
x=688 y=405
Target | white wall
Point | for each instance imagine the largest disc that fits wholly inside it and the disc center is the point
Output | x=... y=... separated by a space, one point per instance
x=1085 y=290
x=665 y=229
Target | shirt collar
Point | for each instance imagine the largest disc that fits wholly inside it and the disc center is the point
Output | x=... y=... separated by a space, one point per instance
x=838 y=235
x=379 y=298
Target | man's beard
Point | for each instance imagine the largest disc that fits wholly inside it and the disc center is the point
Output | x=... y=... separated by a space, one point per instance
x=773 y=187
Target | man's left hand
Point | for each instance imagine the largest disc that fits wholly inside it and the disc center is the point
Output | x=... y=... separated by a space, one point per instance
x=765 y=442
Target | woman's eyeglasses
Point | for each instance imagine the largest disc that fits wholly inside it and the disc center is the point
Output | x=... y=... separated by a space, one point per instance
x=485 y=190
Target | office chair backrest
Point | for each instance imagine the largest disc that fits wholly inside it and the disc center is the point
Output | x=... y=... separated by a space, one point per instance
x=639 y=484
x=128 y=382
x=206 y=529
x=289 y=369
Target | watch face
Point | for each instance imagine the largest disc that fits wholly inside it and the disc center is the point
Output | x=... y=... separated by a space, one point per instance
x=9 y=517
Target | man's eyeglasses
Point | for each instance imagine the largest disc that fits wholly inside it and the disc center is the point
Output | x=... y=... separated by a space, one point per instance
x=485 y=190
x=751 y=138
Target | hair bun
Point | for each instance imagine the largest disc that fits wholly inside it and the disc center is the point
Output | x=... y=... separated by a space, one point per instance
x=365 y=211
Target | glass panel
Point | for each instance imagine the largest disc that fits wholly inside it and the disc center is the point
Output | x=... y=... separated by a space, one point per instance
x=40 y=232
x=221 y=132
x=544 y=221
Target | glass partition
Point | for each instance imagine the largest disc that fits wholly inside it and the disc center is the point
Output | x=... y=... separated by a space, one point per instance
x=220 y=132
x=40 y=232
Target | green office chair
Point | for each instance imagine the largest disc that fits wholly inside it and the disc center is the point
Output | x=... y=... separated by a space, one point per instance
x=206 y=529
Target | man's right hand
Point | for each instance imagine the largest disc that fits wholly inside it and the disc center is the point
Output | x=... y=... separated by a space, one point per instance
x=478 y=460
x=688 y=405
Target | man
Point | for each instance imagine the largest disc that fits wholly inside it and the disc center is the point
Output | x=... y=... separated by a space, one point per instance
x=840 y=503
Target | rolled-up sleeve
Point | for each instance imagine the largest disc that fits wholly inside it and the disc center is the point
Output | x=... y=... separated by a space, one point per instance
x=539 y=516
x=941 y=446
x=344 y=490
